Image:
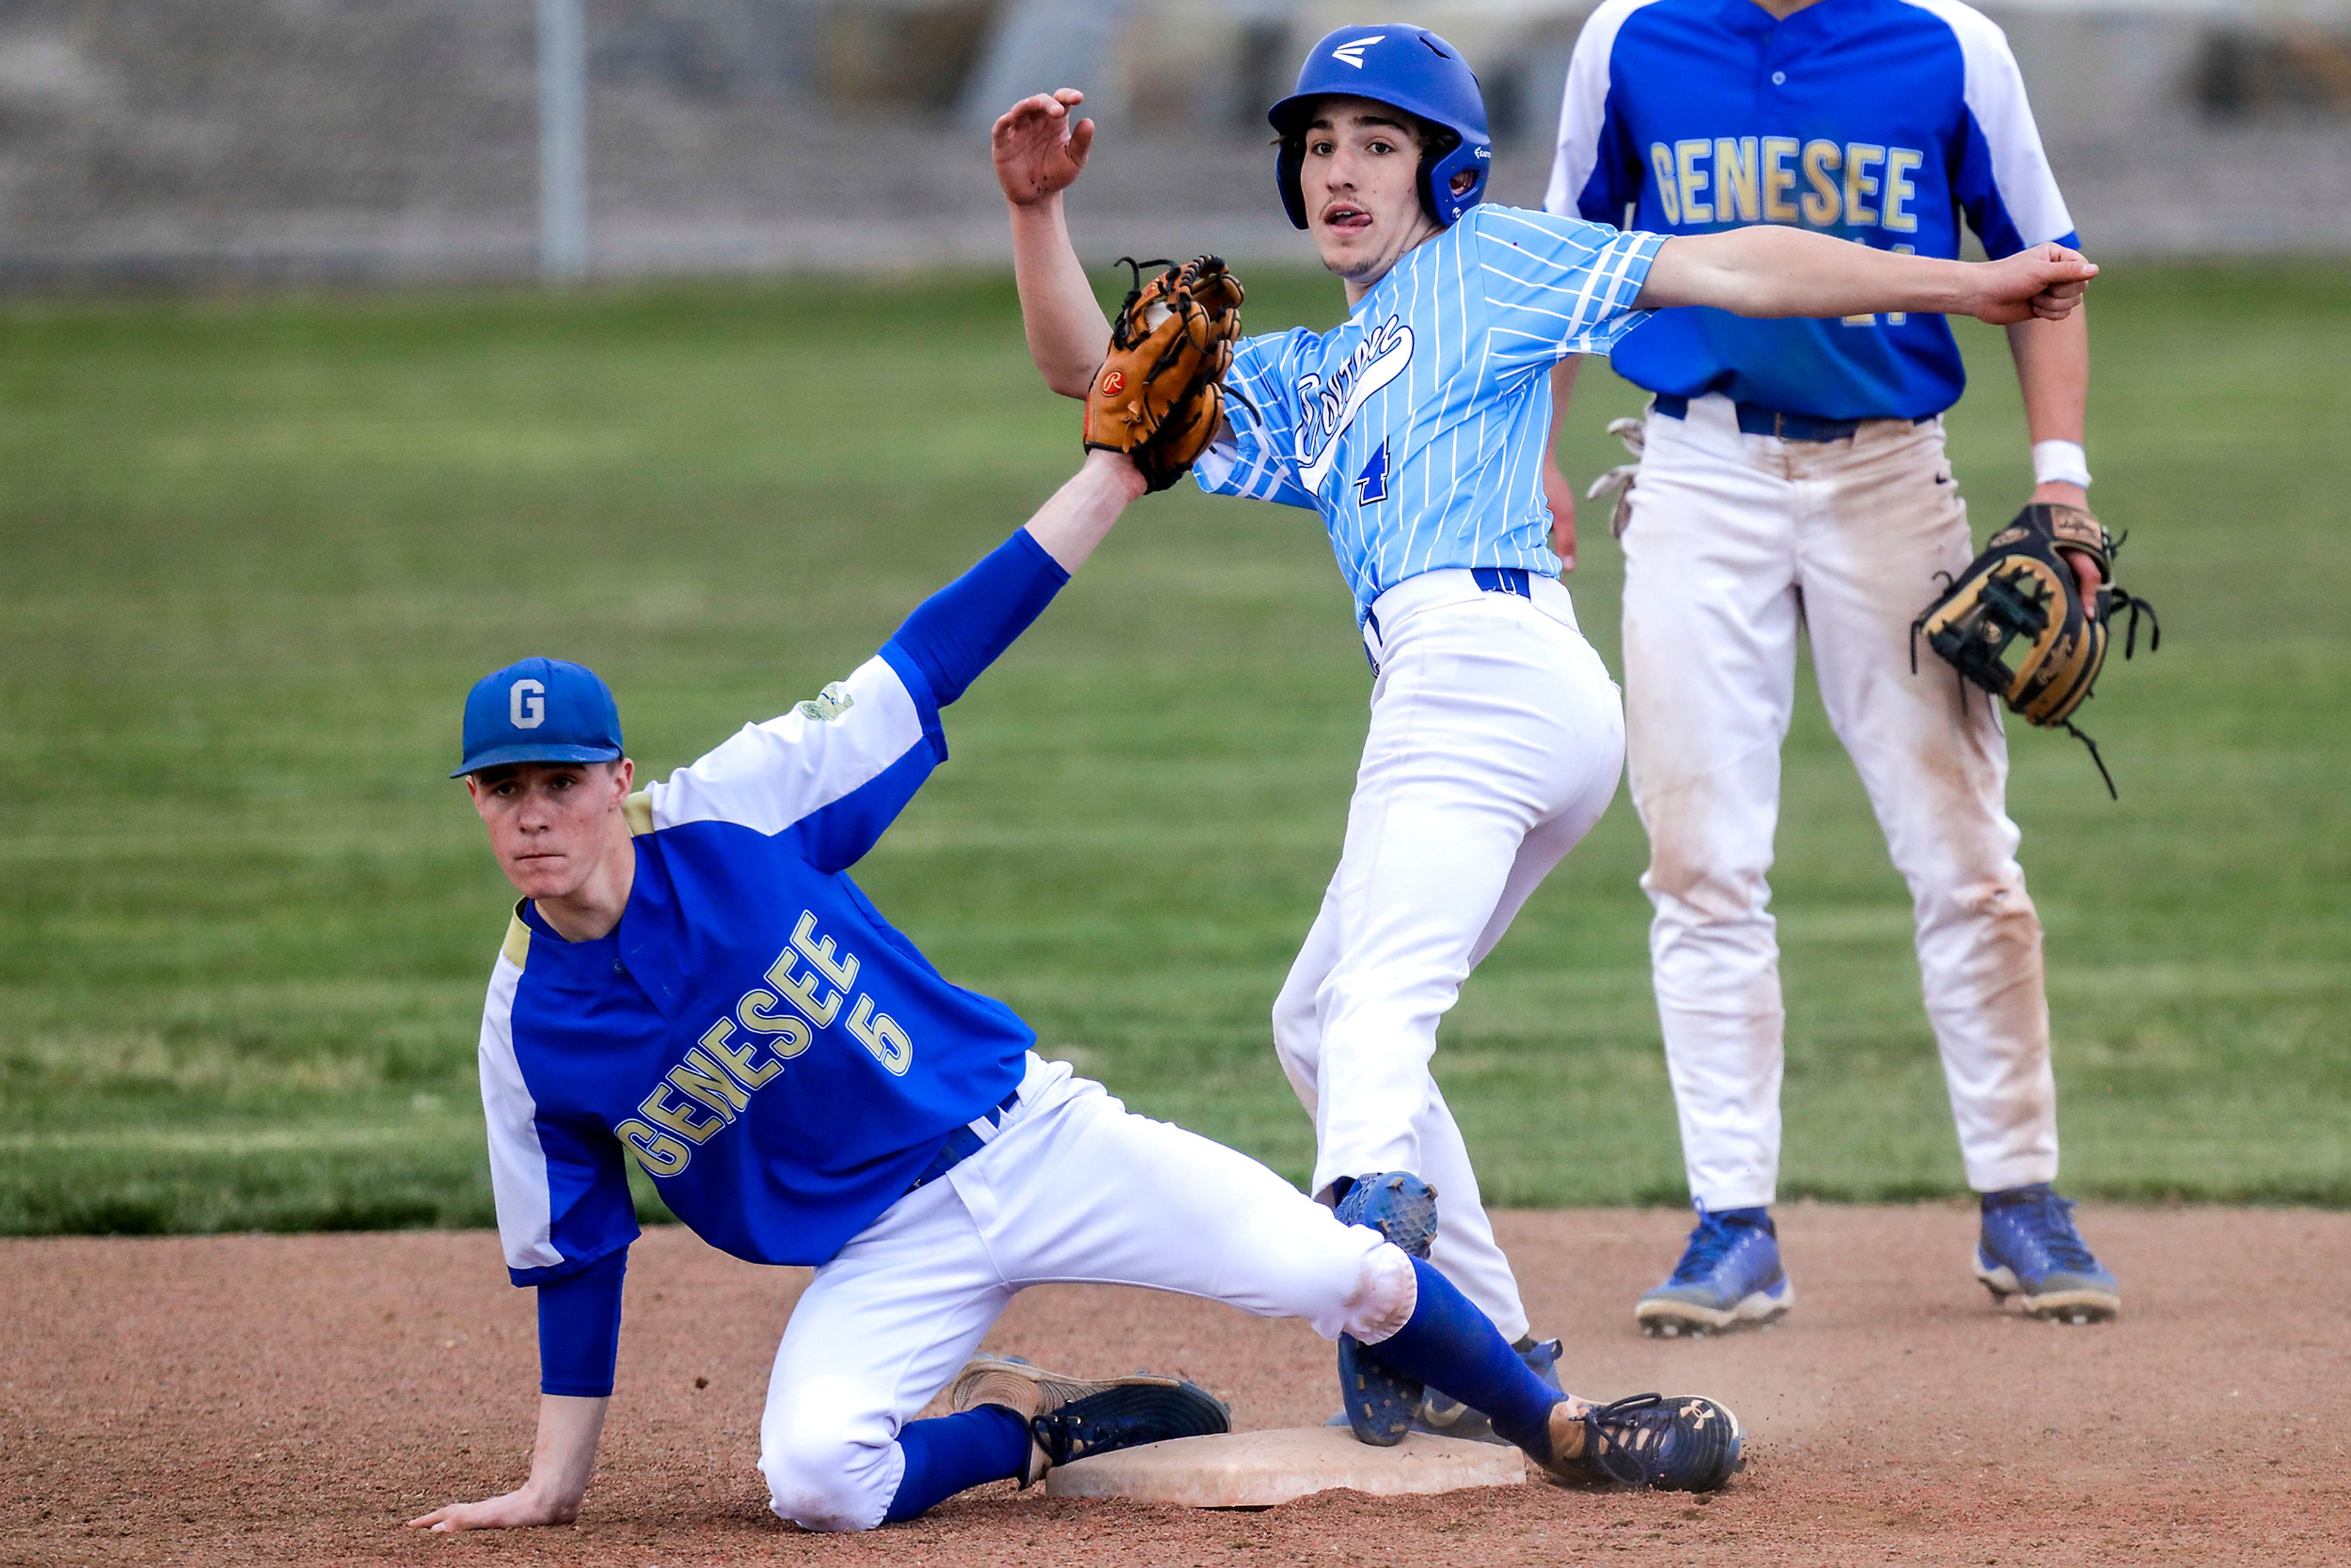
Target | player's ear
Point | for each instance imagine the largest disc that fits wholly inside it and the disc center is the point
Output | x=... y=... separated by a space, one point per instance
x=1462 y=179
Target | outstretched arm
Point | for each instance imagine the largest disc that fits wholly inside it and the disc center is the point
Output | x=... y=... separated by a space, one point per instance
x=836 y=770
x=569 y=1431
x=1081 y=512
x=961 y=630
x=1039 y=151
x=1769 y=270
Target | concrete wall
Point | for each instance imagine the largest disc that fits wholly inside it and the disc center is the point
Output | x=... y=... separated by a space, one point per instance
x=188 y=141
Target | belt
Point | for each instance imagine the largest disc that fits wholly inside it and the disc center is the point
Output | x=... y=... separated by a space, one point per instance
x=1491 y=579
x=1754 y=419
x=966 y=1141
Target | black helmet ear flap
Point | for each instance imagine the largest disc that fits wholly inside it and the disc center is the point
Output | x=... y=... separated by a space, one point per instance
x=1290 y=175
x=1438 y=143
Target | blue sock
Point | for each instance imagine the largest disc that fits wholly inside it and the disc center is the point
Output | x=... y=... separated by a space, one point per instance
x=955 y=1453
x=1456 y=1348
x=2013 y=1195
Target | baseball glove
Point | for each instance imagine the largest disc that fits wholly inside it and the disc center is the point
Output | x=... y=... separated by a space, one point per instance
x=2015 y=623
x=1619 y=481
x=1158 y=396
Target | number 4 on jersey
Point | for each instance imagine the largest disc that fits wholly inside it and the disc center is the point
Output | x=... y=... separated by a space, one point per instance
x=1372 y=484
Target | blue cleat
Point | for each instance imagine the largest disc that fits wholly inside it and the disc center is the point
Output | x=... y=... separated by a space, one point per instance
x=1661 y=1442
x=2030 y=1249
x=1380 y=1403
x=1070 y=1418
x=1730 y=1276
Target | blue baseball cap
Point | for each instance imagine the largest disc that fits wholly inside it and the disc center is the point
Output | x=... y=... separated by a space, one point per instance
x=540 y=710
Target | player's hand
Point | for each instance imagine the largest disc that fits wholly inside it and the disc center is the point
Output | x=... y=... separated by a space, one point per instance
x=1562 y=496
x=2085 y=571
x=2045 y=282
x=518 y=1509
x=1037 y=149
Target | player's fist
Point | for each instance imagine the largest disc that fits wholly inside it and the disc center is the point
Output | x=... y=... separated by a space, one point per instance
x=2044 y=282
x=1038 y=150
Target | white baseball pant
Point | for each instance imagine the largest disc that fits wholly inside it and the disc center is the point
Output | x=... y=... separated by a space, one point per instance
x=1734 y=542
x=1072 y=1189
x=1496 y=742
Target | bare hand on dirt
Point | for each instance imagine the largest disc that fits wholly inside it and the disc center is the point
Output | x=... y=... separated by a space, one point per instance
x=516 y=1509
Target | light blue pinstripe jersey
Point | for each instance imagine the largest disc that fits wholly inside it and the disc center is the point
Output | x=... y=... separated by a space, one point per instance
x=1416 y=428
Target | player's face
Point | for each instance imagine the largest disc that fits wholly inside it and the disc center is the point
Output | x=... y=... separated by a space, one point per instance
x=1362 y=182
x=551 y=823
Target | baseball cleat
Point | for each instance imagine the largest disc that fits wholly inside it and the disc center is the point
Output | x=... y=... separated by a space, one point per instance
x=1447 y=1417
x=1682 y=1442
x=1379 y=1403
x=1728 y=1277
x=2030 y=1249
x=1070 y=1418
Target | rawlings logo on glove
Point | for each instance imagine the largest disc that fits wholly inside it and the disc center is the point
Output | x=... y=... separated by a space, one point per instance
x=1159 y=396
x=2015 y=623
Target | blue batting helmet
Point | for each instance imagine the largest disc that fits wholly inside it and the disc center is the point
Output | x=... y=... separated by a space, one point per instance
x=1409 y=68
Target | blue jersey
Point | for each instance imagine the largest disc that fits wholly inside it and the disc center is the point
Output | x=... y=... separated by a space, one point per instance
x=1417 y=427
x=753 y=1034
x=1876 y=120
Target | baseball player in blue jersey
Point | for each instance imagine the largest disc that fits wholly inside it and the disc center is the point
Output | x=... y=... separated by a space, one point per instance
x=691 y=982
x=1417 y=429
x=1793 y=475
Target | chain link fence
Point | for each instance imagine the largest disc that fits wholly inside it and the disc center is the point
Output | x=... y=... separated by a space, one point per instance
x=177 y=143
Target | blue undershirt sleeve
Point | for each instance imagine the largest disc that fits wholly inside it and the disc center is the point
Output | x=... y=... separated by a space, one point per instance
x=580 y=1328
x=959 y=631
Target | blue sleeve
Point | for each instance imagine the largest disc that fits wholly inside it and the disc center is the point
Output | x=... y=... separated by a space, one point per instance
x=1555 y=286
x=936 y=655
x=1616 y=176
x=1257 y=457
x=580 y=1328
x=959 y=631
x=578 y=1181
x=2000 y=173
x=836 y=835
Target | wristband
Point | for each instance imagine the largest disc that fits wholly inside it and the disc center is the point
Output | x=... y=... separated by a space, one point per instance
x=2060 y=462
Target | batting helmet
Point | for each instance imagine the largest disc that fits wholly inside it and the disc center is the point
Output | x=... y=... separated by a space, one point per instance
x=1409 y=68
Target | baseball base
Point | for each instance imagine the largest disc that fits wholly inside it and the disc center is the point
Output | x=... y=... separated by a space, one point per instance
x=1259 y=1469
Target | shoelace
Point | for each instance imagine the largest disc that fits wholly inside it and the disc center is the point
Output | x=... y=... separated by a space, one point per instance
x=1617 y=1437
x=1709 y=1244
x=2049 y=1226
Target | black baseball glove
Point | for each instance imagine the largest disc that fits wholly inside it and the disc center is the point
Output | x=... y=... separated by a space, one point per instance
x=2015 y=622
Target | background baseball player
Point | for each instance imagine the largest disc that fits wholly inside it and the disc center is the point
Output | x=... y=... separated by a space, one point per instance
x=1794 y=475
x=1417 y=429
x=692 y=981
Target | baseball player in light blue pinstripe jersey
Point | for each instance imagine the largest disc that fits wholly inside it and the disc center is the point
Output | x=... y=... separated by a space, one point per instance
x=1417 y=429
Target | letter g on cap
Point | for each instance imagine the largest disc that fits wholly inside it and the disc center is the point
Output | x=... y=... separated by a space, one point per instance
x=527 y=704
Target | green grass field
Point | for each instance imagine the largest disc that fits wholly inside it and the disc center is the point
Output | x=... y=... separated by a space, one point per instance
x=252 y=553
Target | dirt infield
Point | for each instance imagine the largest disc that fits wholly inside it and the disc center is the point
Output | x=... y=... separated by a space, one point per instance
x=259 y=1399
